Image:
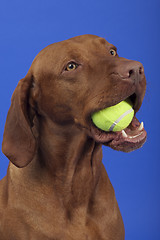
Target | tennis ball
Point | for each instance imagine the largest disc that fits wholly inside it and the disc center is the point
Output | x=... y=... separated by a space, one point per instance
x=114 y=118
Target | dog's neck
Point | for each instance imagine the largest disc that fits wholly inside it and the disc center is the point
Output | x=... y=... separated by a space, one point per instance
x=71 y=159
x=67 y=167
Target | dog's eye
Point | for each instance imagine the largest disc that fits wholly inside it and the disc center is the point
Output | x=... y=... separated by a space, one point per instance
x=71 y=66
x=113 y=52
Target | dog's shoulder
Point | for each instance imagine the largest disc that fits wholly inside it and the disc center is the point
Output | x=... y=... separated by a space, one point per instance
x=3 y=193
x=3 y=204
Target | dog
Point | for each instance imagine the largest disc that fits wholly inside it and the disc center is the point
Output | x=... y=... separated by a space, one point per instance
x=56 y=185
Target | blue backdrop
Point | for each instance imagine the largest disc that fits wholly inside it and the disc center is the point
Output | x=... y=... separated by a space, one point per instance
x=26 y=27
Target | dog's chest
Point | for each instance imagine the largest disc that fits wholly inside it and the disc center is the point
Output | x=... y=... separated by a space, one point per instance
x=28 y=226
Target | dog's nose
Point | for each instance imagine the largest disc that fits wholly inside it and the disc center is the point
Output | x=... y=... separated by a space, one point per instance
x=133 y=70
x=136 y=72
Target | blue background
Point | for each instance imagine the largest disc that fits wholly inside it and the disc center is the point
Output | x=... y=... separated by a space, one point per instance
x=26 y=27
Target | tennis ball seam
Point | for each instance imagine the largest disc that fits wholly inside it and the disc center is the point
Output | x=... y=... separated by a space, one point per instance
x=117 y=121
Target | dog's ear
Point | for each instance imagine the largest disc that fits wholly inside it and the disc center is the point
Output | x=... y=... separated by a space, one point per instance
x=19 y=143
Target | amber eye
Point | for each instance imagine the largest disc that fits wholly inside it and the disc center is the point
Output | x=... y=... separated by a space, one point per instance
x=71 y=66
x=113 y=52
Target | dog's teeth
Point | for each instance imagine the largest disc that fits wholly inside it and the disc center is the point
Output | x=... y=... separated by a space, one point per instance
x=124 y=134
x=141 y=126
x=136 y=135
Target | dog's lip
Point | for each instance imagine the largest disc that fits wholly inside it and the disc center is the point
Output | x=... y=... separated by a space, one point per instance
x=137 y=91
x=127 y=140
x=134 y=97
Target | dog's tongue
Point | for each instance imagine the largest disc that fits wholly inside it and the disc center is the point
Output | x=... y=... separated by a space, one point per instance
x=129 y=139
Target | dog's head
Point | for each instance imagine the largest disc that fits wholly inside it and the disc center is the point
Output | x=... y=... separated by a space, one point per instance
x=67 y=82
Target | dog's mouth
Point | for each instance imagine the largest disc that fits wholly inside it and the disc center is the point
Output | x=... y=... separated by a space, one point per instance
x=127 y=140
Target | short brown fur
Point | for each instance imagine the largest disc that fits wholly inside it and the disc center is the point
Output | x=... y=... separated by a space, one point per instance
x=56 y=186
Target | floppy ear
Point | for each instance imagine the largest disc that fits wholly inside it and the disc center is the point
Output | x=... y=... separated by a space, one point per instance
x=19 y=143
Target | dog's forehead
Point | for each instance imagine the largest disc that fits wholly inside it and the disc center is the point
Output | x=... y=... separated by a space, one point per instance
x=81 y=44
x=87 y=42
x=81 y=47
x=88 y=39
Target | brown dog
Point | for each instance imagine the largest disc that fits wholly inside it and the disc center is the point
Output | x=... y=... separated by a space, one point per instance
x=56 y=186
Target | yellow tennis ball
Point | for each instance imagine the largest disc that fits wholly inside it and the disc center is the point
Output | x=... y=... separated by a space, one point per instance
x=114 y=118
